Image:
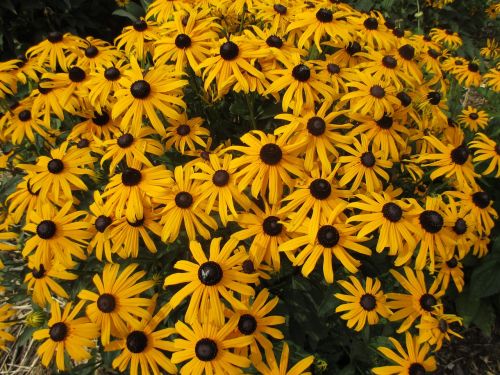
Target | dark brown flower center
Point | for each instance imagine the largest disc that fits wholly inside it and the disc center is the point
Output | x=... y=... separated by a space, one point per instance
x=112 y=74
x=368 y=159
x=481 y=199
x=106 y=303
x=38 y=273
x=389 y=62
x=182 y=41
x=434 y=97
x=206 y=350
x=416 y=369
x=473 y=67
x=353 y=48
x=452 y=263
x=385 y=122
x=210 y=273
x=140 y=89
x=91 y=52
x=140 y=25
x=404 y=98
x=55 y=37
x=407 y=52
x=229 y=51
x=320 y=188
x=274 y=41
x=328 y=236
x=100 y=119
x=398 y=33
x=183 y=199
x=474 y=116
x=431 y=221
x=272 y=226
x=280 y=9
x=392 y=212
x=82 y=143
x=137 y=341
x=460 y=226
x=247 y=324
x=460 y=155
x=301 y=73
x=125 y=140
x=324 y=15
x=136 y=223
x=427 y=301
x=377 y=91
x=248 y=266
x=131 y=177
x=76 y=74
x=55 y=166
x=316 y=126
x=24 y=115
x=371 y=23
x=102 y=222
x=368 y=302
x=333 y=68
x=58 y=332
x=271 y=154
x=183 y=130
x=220 y=178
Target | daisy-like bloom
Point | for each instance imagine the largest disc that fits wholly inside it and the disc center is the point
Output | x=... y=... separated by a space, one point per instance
x=59 y=235
x=8 y=81
x=302 y=85
x=266 y=164
x=276 y=14
x=103 y=83
x=486 y=150
x=430 y=60
x=319 y=22
x=207 y=348
x=406 y=61
x=24 y=200
x=363 y=305
x=66 y=333
x=317 y=194
x=320 y=131
x=137 y=40
x=453 y=161
x=218 y=187
x=143 y=94
x=163 y=10
x=473 y=119
x=434 y=236
x=337 y=75
x=469 y=75
x=491 y=50
x=116 y=303
x=492 y=79
x=58 y=174
x=131 y=146
x=272 y=367
x=211 y=279
x=40 y=282
x=96 y=124
x=419 y=302
x=102 y=217
x=387 y=134
x=184 y=131
x=267 y=231
x=434 y=329
x=412 y=361
x=52 y=51
x=128 y=190
x=371 y=28
x=142 y=346
x=46 y=103
x=333 y=239
x=126 y=234
x=227 y=65
x=481 y=247
x=186 y=40
x=6 y=312
x=393 y=220
x=28 y=69
x=255 y=321
x=448 y=38
x=462 y=226
x=450 y=270
x=182 y=206
x=25 y=124
x=479 y=206
x=95 y=53
x=363 y=164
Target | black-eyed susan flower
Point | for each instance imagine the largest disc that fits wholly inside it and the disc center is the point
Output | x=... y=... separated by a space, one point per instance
x=337 y=76
x=142 y=347
x=301 y=84
x=102 y=217
x=24 y=124
x=24 y=200
x=206 y=348
x=66 y=334
x=131 y=146
x=230 y=58
x=8 y=81
x=255 y=321
x=434 y=329
x=60 y=173
x=186 y=40
x=272 y=367
x=419 y=301
x=181 y=206
x=363 y=164
x=434 y=236
x=218 y=187
x=448 y=38
x=452 y=161
x=266 y=164
x=53 y=51
x=210 y=280
x=323 y=134
x=488 y=151
x=468 y=74
x=462 y=225
x=363 y=304
x=128 y=189
x=184 y=132
x=28 y=69
x=70 y=84
x=333 y=240
x=414 y=360
x=316 y=196
x=6 y=312
x=479 y=205
x=95 y=124
x=277 y=14
x=473 y=119
x=138 y=39
x=492 y=79
x=117 y=303
x=450 y=270
x=371 y=96
x=60 y=234
x=392 y=219
x=163 y=10
x=46 y=103
x=405 y=56
x=145 y=93
x=41 y=281
x=94 y=53
x=371 y=28
x=268 y=232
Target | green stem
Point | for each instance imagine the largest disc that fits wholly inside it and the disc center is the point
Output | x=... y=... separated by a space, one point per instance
x=250 y=103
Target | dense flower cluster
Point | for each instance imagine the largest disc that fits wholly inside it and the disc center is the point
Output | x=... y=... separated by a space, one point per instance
x=344 y=171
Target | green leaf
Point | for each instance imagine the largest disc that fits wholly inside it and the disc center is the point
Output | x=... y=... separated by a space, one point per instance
x=124 y=13
x=485 y=318
x=467 y=306
x=135 y=9
x=485 y=280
